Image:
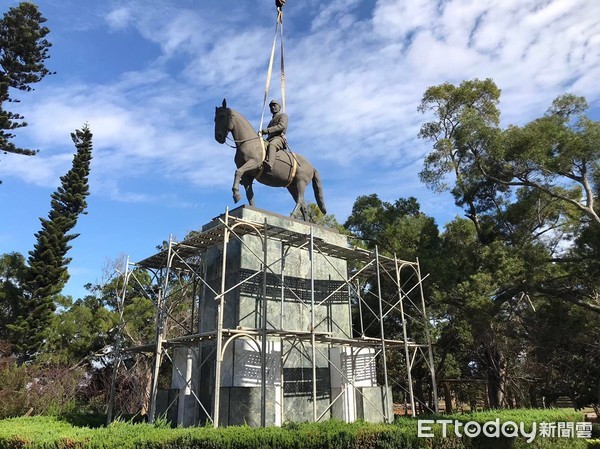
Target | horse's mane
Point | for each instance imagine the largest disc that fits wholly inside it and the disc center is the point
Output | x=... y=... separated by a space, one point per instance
x=243 y=121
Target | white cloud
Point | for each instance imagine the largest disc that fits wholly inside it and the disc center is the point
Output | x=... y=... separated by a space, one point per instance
x=230 y=61
x=119 y=18
x=355 y=74
x=37 y=170
x=395 y=19
x=352 y=89
x=335 y=13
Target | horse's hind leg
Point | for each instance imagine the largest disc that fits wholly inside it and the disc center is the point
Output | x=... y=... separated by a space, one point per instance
x=299 y=188
x=293 y=189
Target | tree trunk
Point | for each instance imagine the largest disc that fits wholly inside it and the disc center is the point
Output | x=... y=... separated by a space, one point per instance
x=533 y=400
x=148 y=388
x=418 y=391
x=496 y=376
x=447 y=398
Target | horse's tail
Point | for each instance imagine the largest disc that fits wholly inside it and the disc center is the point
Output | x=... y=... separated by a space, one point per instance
x=316 y=182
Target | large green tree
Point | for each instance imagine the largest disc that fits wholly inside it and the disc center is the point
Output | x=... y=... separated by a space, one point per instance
x=399 y=229
x=23 y=52
x=466 y=124
x=12 y=273
x=47 y=271
x=550 y=166
x=80 y=332
x=530 y=193
x=558 y=154
x=480 y=314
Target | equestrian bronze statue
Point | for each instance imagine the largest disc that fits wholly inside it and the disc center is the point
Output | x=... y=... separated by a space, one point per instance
x=289 y=170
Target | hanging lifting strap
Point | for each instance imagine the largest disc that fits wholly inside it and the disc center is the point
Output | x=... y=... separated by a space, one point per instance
x=280 y=17
x=278 y=29
x=279 y=4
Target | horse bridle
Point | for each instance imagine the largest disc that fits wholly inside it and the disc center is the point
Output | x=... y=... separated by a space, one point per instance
x=239 y=141
x=234 y=140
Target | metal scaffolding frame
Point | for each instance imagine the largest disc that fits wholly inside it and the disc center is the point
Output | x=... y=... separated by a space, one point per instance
x=179 y=274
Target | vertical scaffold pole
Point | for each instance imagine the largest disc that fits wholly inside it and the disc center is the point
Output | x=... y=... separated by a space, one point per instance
x=194 y=293
x=219 y=336
x=158 y=347
x=201 y=326
x=428 y=337
x=360 y=312
x=386 y=398
x=405 y=339
x=281 y=339
x=263 y=325
x=313 y=341
x=350 y=333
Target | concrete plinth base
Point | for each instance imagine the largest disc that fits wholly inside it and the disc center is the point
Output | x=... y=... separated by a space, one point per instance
x=275 y=264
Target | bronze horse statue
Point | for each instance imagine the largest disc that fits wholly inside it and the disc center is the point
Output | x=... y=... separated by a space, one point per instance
x=290 y=170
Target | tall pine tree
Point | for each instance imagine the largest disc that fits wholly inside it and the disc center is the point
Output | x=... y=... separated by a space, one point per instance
x=47 y=272
x=23 y=50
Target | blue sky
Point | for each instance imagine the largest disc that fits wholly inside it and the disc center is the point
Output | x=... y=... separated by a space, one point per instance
x=147 y=74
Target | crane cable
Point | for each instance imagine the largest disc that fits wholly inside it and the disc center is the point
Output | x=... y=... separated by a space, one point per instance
x=278 y=29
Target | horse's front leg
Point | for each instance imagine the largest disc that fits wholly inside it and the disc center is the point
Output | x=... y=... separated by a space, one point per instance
x=247 y=183
x=241 y=171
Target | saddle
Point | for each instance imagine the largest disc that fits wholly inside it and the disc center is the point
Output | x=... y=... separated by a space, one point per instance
x=284 y=163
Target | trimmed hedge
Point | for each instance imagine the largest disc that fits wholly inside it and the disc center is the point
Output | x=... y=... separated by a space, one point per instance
x=48 y=432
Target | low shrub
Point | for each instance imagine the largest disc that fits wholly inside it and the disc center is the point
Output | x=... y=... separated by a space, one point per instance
x=34 y=390
x=48 y=432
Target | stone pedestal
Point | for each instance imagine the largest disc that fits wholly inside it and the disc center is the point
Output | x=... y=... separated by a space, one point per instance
x=305 y=291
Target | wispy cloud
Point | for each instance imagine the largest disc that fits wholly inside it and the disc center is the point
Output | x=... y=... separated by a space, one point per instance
x=119 y=18
x=147 y=74
x=354 y=81
x=36 y=170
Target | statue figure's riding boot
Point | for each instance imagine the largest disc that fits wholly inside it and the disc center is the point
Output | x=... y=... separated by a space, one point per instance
x=268 y=164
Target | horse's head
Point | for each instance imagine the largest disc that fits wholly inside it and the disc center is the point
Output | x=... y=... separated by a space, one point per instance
x=223 y=122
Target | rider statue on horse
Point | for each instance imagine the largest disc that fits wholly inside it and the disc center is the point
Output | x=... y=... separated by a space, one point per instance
x=289 y=170
x=276 y=133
